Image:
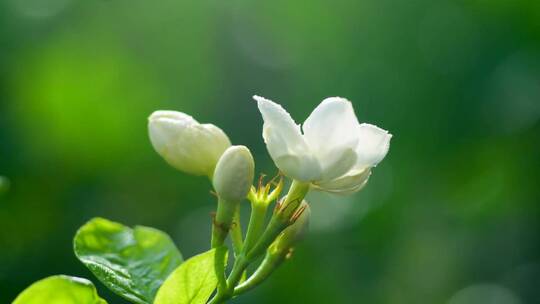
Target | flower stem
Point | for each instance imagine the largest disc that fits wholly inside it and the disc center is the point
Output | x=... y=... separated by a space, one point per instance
x=220 y=228
x=267 y=267
x=224 y=294
x=279 y=221
x=222 y=222
x=256 y=224
x=281 y=218
x=236 y=232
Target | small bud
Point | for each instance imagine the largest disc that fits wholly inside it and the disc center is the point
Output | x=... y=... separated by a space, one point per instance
x=234 y=174
x=294 y=233
x=280 y=250
x=186 y=144
x=264 y=193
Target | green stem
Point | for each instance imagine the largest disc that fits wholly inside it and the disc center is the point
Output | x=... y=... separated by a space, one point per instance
x=218 y=298
x=279 y=221
x=255 y=227
x=281 y=218
x=272 y=231
x=219 y=268
x=239 y=266
x=222 y=222
x=236 y=232
x=256 y=224
x=270 y=263
x=220 y=228
x=223 y=295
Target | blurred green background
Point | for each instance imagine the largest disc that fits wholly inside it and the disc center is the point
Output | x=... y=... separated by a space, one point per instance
x=451 y=216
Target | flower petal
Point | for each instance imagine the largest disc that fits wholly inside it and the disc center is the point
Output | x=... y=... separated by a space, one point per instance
x=173 y=115
x=197 y=149
x=285 y=143
x=338 y=163
x=299 y=168
x=373 y=144
x=163 y=127
x=347 y=184
x=328 y=130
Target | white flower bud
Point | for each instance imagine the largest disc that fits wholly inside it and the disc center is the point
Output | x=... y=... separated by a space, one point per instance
x=186 y=144
x=234 y=173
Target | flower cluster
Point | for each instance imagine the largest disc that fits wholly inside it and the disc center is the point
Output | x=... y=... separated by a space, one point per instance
x=331 y=151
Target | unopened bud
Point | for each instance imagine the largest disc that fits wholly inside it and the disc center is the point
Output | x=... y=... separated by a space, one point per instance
x=294 y=233
x=186 y=144
x=280 y=250
x=234 y=174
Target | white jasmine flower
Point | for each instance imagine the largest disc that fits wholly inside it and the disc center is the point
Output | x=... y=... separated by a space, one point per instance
x=186 y=144
x=332 y=150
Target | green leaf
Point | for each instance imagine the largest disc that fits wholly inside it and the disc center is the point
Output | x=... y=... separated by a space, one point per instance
x=194 y=281
x=60 y=289
x=131 y=262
